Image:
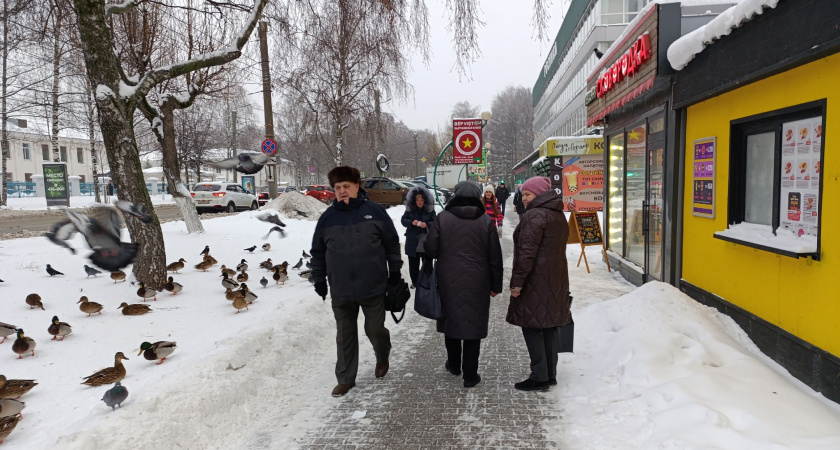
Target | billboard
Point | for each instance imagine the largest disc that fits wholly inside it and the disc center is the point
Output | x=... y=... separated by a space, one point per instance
x=55 y=185
x=583 y=183
x=466 y=141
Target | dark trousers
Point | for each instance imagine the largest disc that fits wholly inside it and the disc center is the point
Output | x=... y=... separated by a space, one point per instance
x=502 y=203
x=347 y=335
x=414 y=268
x=472 y=349
x=542 y=348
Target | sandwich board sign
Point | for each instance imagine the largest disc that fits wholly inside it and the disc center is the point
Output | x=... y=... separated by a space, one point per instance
x=585 y=229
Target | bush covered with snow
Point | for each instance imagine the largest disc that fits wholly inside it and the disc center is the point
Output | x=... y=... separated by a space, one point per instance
x=295 y=205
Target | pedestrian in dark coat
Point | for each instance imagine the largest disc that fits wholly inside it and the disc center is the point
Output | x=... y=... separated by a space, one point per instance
x=502 y=194
x=419 y=214
x=517 y=202
x=469 y=271
x=539 y=280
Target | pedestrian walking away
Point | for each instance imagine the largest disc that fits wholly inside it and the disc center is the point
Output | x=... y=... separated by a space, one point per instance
x=491 y=207
x=502 y=195
x=356 y=249
x=517 y=202
x=465 y=242
x=419 y=214
x=539 y=281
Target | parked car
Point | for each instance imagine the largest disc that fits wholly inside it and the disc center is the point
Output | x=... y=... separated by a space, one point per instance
x=222 y=196
x=385 y=191
x=264 y=197
x=321 y=192
x=447 y=194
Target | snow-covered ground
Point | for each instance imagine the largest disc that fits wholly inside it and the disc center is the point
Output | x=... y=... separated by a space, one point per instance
x=652 y=368
x=85 y=201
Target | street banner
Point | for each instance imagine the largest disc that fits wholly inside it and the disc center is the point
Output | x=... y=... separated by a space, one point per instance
x=467 y=141
x=572 y=145
x=55 y=185
x=248 y=183
x=583 y=183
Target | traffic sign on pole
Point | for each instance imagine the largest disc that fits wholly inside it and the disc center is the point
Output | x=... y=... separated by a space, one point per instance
x=269 y=147
x=311 y=169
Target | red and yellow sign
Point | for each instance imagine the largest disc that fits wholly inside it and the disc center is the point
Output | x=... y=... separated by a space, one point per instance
x=467 y=141
x=627 y=65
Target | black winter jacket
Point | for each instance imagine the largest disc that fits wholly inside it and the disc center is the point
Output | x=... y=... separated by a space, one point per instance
x=427 y=215
x=517 y=202
x=502 y=193
x=350 y=247
x=469 y=265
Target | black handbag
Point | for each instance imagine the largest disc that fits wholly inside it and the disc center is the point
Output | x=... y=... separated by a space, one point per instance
x=426 y=297
x=566 y=335
x=396 y=296
x=421 y=243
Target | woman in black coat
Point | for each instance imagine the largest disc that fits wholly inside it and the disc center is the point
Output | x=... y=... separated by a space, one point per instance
x=469 y=271
x=419 y=214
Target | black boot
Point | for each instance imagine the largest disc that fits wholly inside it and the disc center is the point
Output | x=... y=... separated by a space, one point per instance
x=449 y=369
x=473 y=382
x=531 y=385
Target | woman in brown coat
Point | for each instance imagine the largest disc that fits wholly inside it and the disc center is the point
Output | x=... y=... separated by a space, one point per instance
x=539 y=281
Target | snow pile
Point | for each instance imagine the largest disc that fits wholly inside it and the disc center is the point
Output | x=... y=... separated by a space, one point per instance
x=292 y=204
x=763 y=235
x=687 y=47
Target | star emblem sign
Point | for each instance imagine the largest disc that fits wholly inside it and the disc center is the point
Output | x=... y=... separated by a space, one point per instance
x=467 y=143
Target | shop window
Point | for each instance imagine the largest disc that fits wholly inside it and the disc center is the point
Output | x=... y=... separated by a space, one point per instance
x=25 y=149
x=775 y=180
x=634 y=194
x=616 y=194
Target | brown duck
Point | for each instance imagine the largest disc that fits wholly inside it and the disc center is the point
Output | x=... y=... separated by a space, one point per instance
x=210 y=259
x=137 y=309
x=228 y=272
x=176 y=266
x=7 y=424
x=23 y=344
x=34 y=300
x=204 y=265
x=230 y=294
x=242 y=277
x=89 y=307
x=108 y=375
x=118 y=276
x=15 y=388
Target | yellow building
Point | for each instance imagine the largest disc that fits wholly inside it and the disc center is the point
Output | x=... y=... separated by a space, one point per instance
x=760 y=184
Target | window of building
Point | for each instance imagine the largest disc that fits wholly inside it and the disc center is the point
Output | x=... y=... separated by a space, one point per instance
x=63 y=153
x=45 y=152
x=775 y=171
x=80 y=155
x=25 y=149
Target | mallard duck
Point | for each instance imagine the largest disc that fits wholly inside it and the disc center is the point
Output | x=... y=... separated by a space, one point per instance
x=11 y=407
x=280 y=275
x=250 y=297
x=145 y=292
x=176 y=266
x=59 y=329
x=15 y=388
x=34 y=300
x=228 y=283
x=172 y=286
x=159 y=350
x=108 y=375
x=228 y=272
x=230 y=294
x=210 y=259
x=204 y=265
x=242 y=277
x=118 y=276
x=267 y=264
x=266 y=246
x=6 y=329
x=89 y=307
x=7 y=424
x=23 y=344
x=239 y=301
x=243 y=265
x=115 y=396
x=137 y=309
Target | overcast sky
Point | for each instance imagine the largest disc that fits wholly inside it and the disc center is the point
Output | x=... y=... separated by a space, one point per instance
x=510 y=55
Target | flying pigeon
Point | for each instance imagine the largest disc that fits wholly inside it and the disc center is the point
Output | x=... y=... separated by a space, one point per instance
x=115 y=396
x=60 y=233
x=251 y=249
x=206 y=250
x=271 y=218
x=91 y=271
x=279 y=230
x=264 y=282
x=247 y=163
x=306 y=255
x=299 y=263
x=137 y=210
x=101 y=230
x=52 y=271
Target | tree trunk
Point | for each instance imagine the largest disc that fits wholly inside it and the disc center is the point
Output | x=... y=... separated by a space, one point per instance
x=94 y=160
x=172 y=171
x=56 y=81
x=116 y=123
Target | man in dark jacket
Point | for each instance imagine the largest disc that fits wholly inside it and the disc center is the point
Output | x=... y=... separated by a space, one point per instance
x=502 y=194
x=517 y=202
x=356 y=248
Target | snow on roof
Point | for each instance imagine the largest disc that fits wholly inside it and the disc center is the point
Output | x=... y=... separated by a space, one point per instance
x=687 y=47
x=39 y=126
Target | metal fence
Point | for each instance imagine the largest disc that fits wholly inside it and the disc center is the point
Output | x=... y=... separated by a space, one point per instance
x=20 y=189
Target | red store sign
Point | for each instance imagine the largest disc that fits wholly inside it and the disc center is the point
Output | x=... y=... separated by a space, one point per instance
x=626 y=65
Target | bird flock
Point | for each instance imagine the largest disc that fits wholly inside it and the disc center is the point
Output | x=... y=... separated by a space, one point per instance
x=101 y=231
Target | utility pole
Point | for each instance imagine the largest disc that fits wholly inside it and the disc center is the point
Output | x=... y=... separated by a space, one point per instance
x=416 y=165
x=233 y=143
x=269 y=116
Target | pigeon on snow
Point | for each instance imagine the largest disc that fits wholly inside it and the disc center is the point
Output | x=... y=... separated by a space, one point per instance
x=299 y=263
x=52 y=271
x=91 y=271
x=115 y=396
x=251 y=249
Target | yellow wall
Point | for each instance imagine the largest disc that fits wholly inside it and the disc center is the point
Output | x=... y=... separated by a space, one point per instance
x=798 y=296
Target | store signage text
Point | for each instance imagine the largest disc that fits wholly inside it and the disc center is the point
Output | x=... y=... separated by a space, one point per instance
x=626 y=65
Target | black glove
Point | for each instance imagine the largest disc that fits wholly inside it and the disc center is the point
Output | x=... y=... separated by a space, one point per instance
x=394 y=278
x=321 y=289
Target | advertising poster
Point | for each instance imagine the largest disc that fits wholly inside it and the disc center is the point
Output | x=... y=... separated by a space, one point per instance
x=589 y=228
x=249 y=183
x=466 y=141
x=703 y=201
x=555 y=174
x=583 y=182
x=55 y=185
x=799 y=210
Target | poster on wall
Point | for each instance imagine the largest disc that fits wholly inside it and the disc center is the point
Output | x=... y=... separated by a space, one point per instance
x=249 y=184
x=583 y=183
x=55 y=185
x=703 y=202
x=800 y=183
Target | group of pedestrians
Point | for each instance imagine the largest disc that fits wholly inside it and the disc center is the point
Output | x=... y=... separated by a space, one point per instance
x=356 y=256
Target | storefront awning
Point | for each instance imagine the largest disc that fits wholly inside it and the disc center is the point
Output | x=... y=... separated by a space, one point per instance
x=572 y=145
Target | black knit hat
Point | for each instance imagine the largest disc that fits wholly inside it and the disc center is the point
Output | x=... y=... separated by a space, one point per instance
x=344 y=173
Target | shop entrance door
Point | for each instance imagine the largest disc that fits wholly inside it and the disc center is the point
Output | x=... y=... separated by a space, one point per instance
x=653 y=213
